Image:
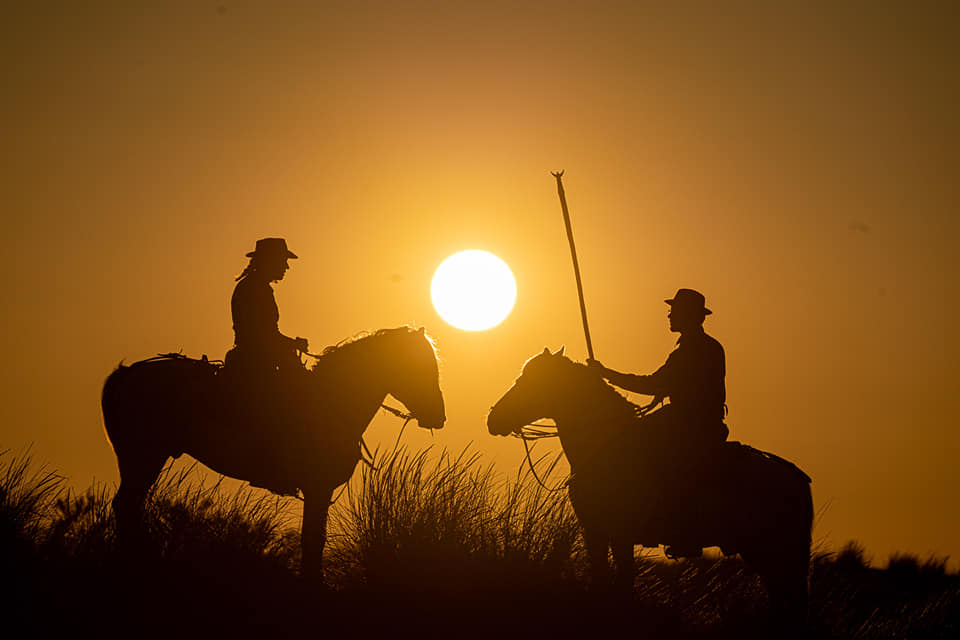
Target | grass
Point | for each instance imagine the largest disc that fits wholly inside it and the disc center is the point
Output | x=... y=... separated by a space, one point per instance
x=420 y=521
x=432 y=543
x=27 y=497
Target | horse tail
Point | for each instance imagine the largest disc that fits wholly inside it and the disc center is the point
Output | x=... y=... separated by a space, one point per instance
x=783 y=561
x=794 y=587
x=803 y=498
x=110 y=401
x=796 y=492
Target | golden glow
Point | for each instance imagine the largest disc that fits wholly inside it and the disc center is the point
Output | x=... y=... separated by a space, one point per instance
x=473 y=290
x=372 y=139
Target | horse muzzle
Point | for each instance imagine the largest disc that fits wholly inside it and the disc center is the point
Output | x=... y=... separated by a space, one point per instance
x=433 y=418
x=497 y=426
x=432 y=423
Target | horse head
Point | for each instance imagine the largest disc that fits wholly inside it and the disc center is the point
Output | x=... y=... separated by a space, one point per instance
x=416 y=379
x=533 y=395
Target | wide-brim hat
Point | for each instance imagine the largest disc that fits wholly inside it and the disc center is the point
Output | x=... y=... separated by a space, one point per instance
x=689 y=300
x=271 y=248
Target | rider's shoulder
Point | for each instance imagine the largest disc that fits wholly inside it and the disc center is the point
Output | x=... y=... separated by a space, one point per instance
x=713 y=343
x=252 y=287
x=703 y=340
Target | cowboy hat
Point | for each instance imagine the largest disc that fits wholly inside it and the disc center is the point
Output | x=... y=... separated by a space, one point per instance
x=689 y=300
x=271 y=248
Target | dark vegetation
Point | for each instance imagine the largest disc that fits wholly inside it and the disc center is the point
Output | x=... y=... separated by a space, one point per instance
x=430 y=545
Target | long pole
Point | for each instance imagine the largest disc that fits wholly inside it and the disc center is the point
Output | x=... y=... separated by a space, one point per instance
x=573 y=254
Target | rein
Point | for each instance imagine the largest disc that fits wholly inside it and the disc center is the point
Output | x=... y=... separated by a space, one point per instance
x=368 y=459
x=534 y=431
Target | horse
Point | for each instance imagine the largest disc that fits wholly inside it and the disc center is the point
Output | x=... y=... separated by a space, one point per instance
x=750 y=502
x=170 y=405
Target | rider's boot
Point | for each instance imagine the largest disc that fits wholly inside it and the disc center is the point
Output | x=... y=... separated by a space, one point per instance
x=682 y=527
x=680 y=549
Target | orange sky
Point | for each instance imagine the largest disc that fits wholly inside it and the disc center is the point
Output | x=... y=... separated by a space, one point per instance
x=799 y=166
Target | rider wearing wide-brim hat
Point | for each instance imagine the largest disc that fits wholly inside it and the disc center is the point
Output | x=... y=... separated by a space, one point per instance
x=692 y=377
x=258 y=343
x=691 y=427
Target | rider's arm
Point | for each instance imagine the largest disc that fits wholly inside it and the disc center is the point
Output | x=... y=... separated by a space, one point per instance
x=256 y=319
x=631 y=382
x=656 y=384
x=300 y=344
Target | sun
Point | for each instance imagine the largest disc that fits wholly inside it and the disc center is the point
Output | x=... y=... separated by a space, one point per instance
x=473 y=290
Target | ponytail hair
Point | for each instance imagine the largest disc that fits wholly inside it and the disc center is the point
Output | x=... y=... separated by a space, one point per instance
x=251 y=266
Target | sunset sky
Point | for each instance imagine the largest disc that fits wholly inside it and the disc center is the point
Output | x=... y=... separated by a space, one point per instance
x=798 y=166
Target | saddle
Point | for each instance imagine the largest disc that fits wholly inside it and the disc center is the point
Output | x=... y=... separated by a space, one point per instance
x=202 y=364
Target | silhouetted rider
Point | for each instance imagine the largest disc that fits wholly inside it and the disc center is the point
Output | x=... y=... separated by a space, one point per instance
x=692 y=377
x=264 y=368
x=691 y=426
x=258 y=344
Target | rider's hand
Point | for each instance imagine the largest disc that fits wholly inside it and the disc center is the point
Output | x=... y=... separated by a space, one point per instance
x=301 y=344
x=596 y=367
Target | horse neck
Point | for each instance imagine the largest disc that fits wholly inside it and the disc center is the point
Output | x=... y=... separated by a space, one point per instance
x=360 y=381
x=589 y=418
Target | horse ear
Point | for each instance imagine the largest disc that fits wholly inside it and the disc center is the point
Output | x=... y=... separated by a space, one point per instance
x=546 y=352
x=560 y=350
x=420 y=330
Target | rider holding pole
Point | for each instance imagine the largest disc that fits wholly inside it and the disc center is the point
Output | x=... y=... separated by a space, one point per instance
x=691 y=425
x=692 y=377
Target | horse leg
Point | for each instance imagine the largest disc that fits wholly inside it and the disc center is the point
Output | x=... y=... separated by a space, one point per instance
x=597 y=545
x=137 y=475
x=313 y=533
x=626 y=565
x=785 y=574
x=789 y=587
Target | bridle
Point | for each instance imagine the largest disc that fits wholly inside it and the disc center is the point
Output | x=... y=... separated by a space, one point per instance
x=407 y=417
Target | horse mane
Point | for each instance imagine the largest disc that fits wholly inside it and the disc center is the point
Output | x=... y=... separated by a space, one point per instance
x=581 y=378
x=334 y=351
